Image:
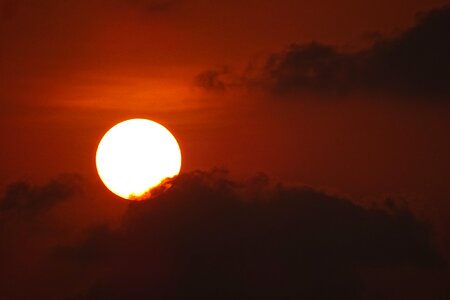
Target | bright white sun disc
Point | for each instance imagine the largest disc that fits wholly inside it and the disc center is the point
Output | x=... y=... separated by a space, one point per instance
x=135 y=156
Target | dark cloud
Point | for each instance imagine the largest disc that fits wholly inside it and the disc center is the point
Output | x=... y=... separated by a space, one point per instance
x=26 y=200
x=413 y=63
x=310 y=67
x=99 y=243
x=209 y=237
x=30 y=224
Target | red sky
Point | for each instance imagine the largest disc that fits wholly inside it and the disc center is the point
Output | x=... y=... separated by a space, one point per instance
x=73 y=69
x=70 y=70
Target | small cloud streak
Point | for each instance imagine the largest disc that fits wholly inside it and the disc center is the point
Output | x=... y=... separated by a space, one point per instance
x=214 y=80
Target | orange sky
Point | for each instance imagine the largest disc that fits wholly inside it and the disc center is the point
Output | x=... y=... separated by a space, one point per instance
x=347 y=97
x=73 y=69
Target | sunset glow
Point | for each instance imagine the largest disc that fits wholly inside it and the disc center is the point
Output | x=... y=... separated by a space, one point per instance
x=314 y=137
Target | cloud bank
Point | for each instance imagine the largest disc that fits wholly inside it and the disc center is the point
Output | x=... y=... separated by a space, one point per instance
x=414 y=63
x=212 y=237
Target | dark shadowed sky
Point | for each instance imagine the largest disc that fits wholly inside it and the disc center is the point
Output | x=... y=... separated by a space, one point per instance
x=342 y=105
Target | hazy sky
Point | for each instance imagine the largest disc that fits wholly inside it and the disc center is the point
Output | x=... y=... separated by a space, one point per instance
x=343 y=97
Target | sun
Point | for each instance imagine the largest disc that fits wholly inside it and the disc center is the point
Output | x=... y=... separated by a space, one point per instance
x=136 y=156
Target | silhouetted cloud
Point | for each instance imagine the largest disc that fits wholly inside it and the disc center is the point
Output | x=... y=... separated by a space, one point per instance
x=413 y=63
x=311 y=67
x=21 y=198
x=31 y=222
x=213 y=238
